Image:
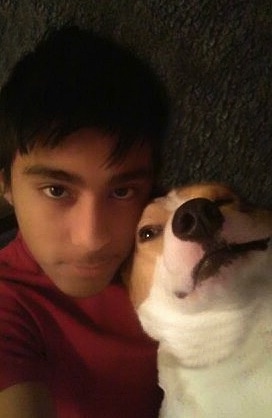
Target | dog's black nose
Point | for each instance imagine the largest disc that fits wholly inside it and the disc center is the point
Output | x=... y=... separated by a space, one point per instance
x=197 y=220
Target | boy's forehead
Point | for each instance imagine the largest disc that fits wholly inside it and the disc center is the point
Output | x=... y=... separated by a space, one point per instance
x=82 y=152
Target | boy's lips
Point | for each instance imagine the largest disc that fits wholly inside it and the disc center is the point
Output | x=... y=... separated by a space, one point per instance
x=89 y=261
x=92 y=266
x=95 y=262
x=224 y=254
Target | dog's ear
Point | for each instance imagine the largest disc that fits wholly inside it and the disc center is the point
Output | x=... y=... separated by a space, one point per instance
x=158 y=191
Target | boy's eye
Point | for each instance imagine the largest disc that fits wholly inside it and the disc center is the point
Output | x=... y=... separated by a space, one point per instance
x=55 y=192
x=123 y=193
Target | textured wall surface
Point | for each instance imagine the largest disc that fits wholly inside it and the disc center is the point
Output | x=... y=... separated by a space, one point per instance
x=215 y=58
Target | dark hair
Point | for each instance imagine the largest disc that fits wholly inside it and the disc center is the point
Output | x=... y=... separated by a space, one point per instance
x=74 y=79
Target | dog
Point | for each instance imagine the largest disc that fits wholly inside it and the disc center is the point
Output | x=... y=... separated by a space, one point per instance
x=201 y=282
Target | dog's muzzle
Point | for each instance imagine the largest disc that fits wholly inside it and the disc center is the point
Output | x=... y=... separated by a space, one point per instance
x=199 y=220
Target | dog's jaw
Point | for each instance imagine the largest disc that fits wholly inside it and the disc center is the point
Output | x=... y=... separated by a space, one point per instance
x=200 y=339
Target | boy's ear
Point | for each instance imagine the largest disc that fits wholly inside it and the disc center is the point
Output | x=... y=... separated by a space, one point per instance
x=8 y=196
x=5 y=189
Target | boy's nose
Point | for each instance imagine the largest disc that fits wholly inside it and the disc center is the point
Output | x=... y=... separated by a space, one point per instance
x=90 y=226
x=197 y=220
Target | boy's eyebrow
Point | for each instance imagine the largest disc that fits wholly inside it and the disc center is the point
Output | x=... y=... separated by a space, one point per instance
x=62 y=175
x=40 y=170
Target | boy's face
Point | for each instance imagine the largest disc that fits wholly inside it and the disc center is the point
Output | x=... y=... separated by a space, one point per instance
x=76 y=213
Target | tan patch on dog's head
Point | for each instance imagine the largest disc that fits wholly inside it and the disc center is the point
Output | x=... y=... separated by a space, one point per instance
x=211 y=191
x=138 y=272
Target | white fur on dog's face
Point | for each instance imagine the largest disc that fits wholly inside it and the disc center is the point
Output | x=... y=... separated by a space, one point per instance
x=187 y=289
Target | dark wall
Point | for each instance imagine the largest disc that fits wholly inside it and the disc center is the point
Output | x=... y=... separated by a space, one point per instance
x=216 y=59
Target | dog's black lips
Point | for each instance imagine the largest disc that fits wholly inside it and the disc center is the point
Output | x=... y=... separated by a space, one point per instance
x=223 y=255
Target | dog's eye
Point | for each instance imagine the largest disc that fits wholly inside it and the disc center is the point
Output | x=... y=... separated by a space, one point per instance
x=149 y=232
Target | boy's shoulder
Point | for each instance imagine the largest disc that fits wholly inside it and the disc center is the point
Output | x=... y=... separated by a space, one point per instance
x=15 y=260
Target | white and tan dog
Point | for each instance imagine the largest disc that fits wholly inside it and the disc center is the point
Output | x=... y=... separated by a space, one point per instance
x=201 y=282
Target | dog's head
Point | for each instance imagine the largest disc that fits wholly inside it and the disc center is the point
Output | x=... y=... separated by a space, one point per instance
x=202 y=262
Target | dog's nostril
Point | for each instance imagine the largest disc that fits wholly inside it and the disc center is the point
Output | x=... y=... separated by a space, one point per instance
x=186 y=223
x=197 y=220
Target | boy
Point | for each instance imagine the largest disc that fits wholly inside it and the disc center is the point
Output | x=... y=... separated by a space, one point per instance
x=81 y=121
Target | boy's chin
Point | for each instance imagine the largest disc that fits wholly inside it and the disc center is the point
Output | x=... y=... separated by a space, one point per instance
x=82 y=285
x=82 y=290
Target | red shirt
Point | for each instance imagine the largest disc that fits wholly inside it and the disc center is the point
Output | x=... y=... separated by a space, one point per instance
x=91 y=352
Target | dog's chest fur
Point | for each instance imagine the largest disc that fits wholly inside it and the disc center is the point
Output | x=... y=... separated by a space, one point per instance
x=238 y=387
